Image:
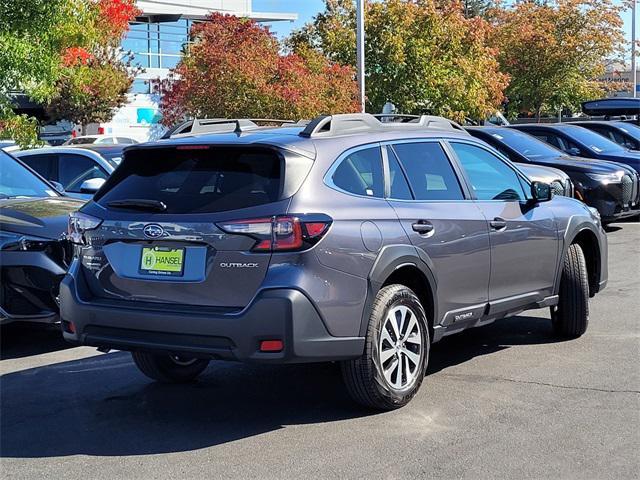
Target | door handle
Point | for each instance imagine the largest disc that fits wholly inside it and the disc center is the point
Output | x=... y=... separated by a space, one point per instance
x=422 y=227
x=498 y=223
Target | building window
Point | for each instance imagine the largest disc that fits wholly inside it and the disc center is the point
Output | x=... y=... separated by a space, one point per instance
x=140 y=86
x=157 y=45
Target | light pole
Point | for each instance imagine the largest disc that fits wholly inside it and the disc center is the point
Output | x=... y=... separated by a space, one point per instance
x=360 y=50
x=634 y=73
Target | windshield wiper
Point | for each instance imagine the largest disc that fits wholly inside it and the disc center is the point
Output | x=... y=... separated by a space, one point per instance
x=139 y=204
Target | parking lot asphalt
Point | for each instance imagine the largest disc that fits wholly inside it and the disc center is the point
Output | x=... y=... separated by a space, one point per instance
x=503 y=401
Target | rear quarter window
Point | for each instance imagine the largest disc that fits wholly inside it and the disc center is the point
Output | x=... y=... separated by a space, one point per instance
x=203 y=180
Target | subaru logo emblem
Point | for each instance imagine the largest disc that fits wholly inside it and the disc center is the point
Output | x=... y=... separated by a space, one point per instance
x=153 y=230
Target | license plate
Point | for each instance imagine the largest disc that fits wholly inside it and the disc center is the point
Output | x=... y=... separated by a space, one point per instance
x=162 y=261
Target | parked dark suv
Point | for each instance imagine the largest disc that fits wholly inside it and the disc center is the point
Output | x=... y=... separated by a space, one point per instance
x=347 y=240
x=612 y=188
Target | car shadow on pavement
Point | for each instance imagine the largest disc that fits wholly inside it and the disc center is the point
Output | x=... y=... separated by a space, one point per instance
x=500 y=335
x=22 y=339
x=103 y=406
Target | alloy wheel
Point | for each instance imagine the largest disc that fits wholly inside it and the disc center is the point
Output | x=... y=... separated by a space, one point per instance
x=400 y=347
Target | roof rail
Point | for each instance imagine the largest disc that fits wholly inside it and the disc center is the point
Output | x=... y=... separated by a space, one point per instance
x=199 y=126
x=351 y=123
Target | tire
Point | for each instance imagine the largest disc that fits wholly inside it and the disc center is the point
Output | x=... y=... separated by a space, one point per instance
x=167 y=368
x=571 y=316
x=370 y=379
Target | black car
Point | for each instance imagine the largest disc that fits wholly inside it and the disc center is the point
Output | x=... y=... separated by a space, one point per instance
x=625 y=134
x=33 y=258
x=610 y=187
x=578 y=141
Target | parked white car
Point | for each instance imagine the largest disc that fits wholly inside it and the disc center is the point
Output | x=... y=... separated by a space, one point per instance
x=101 y=140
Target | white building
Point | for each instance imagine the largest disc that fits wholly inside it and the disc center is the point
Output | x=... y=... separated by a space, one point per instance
x=156 y=40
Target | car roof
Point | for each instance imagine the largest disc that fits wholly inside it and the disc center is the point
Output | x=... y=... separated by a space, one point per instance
x=606 y=123
x=549 y=126
x=96 y=156
x=347 y=131
x=58 y=149
x=101 y=147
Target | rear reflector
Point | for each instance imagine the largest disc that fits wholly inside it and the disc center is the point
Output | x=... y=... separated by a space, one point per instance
x=315 y=229
x=271 y=345
x=68 y=327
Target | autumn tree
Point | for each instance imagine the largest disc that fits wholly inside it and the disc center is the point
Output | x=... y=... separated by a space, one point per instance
x=235 y=68
x=422 y=55
x=476 y=8
x=94 y=79
x=554 y=51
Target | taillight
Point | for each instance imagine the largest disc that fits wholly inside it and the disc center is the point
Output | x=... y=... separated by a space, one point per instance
x=79 y=223
x=280 y=233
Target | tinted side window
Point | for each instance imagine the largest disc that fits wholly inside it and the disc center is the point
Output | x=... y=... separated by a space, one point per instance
x=361 y=173
x=550 y=139
x=399 y=188
x=75 y=169
x=490 y=177
x=45 y=165
x=429 y=172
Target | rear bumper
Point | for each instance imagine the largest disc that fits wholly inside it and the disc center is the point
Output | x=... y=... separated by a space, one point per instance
x=278 y=314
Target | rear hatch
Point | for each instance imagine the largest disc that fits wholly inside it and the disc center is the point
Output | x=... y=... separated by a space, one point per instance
x=161 y=240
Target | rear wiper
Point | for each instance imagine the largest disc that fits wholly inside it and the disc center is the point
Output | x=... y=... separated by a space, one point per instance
x=139 y=204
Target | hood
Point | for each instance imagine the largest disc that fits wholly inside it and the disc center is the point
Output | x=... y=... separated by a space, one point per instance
x=542 y=174
x=629 y=158
x=581 y=164
x=40 y=217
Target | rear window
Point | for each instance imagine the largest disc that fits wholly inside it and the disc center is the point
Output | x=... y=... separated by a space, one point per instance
x=204 y=180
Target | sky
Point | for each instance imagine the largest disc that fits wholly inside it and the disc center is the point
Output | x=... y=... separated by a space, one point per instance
x=306 y=9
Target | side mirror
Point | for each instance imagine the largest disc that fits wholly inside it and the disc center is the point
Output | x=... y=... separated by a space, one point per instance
x=58 y=186
x=92 y=185
x=574 y=151
x=541 y=192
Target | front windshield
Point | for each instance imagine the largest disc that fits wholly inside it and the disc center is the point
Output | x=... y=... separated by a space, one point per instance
x=16 y=180
x=525 y=144
x=593 y=141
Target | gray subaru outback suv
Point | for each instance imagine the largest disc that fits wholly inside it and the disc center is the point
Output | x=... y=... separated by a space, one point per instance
x=350 y=239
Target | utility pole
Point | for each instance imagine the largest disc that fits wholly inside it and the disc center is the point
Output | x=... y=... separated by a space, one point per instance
x=360 y=50
x=634 y=72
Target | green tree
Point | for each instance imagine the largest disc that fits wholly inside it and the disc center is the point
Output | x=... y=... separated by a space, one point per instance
x=554 y=51
x=422 y=55
x=33 y=35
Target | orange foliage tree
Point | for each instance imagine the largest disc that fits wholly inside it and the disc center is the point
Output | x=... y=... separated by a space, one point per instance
x=235 y=68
